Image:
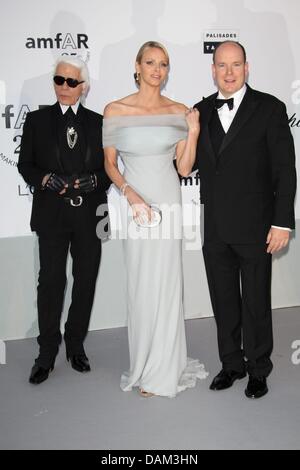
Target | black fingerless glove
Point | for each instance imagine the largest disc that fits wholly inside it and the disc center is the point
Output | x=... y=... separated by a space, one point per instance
x=87 y=182
x=55 y=183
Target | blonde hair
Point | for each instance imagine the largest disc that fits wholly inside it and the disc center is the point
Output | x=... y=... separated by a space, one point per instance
x=148 y=45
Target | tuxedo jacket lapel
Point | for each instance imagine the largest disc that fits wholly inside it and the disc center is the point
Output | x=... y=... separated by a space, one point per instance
x=55 y=110
x=206 y=113
x=84 y=120
x=246 y=109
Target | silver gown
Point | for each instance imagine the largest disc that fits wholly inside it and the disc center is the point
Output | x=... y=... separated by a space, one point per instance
x=153 y=256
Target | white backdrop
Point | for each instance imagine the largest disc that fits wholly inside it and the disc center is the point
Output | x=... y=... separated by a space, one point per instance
x=108 y=34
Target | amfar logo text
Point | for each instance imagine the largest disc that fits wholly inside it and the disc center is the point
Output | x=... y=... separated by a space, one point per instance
x=60 y=41
x=15 y=120
x=20 y=119
x=20 y=115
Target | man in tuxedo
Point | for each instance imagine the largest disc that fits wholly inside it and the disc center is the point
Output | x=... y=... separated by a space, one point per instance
x=61 y=157
x=246 y=162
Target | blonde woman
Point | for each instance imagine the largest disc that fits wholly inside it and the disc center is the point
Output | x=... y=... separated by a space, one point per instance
x=149 y=130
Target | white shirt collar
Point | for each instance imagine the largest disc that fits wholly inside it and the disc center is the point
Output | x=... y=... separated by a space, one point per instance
x=238 y=95
x=64 y=108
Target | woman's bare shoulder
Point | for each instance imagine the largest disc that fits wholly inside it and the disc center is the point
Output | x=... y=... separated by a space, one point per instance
x=119 y=107
x=176 y=107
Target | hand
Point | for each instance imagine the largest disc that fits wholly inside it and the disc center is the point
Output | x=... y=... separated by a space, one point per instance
x=55 y=183
x=86 y=182
x=192 y=118
x=140 y=208
x=277 y=239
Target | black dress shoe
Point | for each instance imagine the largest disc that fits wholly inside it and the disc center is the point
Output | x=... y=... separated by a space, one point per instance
x=39 y=374
x=257 y=387
x=225 y=379
x=79 y=362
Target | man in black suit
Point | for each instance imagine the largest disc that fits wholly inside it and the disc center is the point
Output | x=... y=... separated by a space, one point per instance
x=61 y=157
x=246 y=163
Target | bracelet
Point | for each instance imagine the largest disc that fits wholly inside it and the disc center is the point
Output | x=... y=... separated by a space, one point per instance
x=123 y=187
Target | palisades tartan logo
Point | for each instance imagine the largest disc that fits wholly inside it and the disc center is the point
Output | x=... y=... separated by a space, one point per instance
x=213 y=37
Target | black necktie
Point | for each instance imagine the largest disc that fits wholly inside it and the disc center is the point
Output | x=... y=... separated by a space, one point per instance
x=71 y=130
x=70 y=115
x=219 y=103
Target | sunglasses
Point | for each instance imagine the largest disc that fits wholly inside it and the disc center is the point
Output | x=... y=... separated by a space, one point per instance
x=71 y=82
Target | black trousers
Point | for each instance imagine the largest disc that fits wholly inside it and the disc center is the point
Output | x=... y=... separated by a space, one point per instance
x=239 y=279
x=79 y=236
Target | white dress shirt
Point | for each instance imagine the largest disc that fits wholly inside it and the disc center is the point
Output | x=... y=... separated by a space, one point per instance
x=65 y=107
x=225 y=114
x=226 y=117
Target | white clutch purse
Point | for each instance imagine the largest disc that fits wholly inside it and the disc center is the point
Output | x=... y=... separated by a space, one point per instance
x=143 y=221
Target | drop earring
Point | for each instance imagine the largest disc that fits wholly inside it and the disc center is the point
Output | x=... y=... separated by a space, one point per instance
x=137 y=77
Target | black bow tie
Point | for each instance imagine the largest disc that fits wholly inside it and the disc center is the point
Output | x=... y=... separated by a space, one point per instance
x=219 y=103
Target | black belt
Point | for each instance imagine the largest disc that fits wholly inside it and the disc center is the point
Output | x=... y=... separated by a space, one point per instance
x=75 y=201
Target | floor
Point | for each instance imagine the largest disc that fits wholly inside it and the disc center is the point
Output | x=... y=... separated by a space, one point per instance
x=76 y=411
